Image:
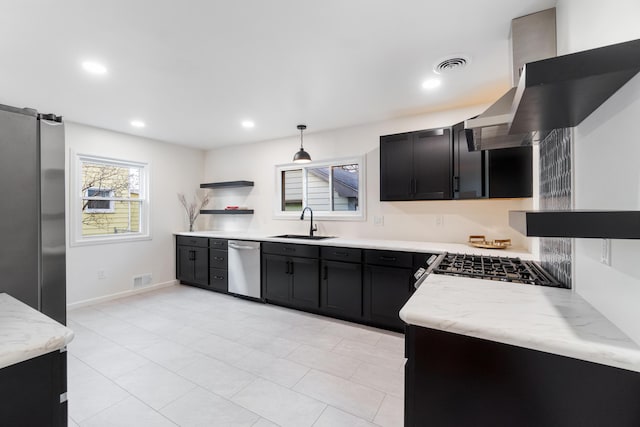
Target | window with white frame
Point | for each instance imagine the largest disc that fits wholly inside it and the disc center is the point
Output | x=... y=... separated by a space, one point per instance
x=111 y=200
x=334 y=189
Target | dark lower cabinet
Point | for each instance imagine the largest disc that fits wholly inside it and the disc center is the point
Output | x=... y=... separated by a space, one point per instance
x=276 y=278
x=193 y=265
x=291 y=280
x=202 y=262
x=341 y=289
x=218 y=280
x=33 y=392
x=388 y=284
x=455 y=380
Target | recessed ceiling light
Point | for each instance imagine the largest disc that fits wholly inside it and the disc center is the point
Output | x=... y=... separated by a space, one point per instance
x=137 y=123
x=94 y=67
x=431 y=83
x=248 y=124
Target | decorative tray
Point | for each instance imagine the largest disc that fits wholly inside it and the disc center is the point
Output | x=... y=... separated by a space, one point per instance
x=481 y=242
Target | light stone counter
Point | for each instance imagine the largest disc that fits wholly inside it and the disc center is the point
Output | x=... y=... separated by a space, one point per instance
x=548 y=319
x=392 y=245
x=26 y=333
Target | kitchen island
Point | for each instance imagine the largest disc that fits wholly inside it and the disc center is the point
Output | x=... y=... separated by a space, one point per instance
x=489 y=353
x=32 y=366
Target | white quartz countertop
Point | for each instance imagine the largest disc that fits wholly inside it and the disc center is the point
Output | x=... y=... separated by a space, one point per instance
x=393 y=245
x=26 y=333
x=548 y=319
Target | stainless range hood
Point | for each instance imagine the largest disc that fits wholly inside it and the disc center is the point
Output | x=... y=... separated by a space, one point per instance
x=533 y=37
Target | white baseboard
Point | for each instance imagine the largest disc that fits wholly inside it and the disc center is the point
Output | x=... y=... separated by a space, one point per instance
x=118 y=295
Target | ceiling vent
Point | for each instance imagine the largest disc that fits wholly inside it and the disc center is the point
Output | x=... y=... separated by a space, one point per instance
x=448 y=65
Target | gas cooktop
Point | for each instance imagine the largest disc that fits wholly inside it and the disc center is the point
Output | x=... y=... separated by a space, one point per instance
x=495 y=268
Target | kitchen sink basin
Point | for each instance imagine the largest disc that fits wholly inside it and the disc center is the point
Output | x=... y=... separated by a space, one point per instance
x=303 y=236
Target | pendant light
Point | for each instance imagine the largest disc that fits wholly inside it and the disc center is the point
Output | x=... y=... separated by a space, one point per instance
x=301 y=156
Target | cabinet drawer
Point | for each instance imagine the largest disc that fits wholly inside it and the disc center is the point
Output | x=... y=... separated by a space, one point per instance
x=192 y=241
x=218 y=244
x=218 y=279
x=217 y=258
x=305 y=251
x=388 y=258
x=341 y=254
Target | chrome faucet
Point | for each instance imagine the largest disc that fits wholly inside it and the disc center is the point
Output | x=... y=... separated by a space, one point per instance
x=312 y=228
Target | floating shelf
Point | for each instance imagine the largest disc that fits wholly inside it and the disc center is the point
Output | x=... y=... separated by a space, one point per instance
x=226 y=211
x=585 y=224
x=227 y=184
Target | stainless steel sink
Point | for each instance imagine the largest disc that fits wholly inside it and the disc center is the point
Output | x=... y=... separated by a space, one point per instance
x=303 y=236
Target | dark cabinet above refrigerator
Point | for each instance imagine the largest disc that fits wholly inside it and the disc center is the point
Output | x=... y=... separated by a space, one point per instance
x=578 y=223
x=561 y=92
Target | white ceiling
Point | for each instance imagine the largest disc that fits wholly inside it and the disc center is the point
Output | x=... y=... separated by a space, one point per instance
x=193 y=70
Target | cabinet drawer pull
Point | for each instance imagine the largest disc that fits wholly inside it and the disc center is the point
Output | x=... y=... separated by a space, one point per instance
x=218 y=277
x=217 y=258
x=288 y=249
x=388 y=258
x=340 y=253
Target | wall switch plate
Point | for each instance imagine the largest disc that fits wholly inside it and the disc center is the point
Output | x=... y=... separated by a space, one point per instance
x=378 y=221
x=439 y=220
x=102 y=274
x=605 y=252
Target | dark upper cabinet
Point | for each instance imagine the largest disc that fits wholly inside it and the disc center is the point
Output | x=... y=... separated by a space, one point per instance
x=396 y=167
x=469 y=181
x=416 y=165
x=436 y=164
x=511 y=172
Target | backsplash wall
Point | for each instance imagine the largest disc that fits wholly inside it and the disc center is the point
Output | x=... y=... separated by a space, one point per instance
x=556 y=194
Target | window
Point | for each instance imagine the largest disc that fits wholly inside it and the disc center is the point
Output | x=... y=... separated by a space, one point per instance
x=94 y=201
x=334 y=189
x=111 y=202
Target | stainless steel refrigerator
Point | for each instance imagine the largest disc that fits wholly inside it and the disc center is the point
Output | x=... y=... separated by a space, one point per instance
x=32 y=209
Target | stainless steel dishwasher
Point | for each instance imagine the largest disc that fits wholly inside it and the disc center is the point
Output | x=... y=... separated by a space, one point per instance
x=244 y=268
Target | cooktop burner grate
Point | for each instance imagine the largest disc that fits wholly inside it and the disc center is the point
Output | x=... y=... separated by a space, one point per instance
x=495 y=268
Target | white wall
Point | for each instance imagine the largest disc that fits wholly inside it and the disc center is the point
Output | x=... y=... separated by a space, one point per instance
x=607 y=155
x=173 y=169
x=402 y=220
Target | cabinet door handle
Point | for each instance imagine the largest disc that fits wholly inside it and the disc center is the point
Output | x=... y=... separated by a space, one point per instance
x=411 y=186
x=456 y=184
x=387 y=258
x=286 y=270
x=291 y=262
x=326 y=273
x=192 y=255
x=415 y=186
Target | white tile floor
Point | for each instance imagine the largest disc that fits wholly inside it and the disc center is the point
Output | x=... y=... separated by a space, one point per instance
x=189 y=357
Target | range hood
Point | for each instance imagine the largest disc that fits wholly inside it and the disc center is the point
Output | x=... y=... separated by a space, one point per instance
x=561 y=92
x=533 y=37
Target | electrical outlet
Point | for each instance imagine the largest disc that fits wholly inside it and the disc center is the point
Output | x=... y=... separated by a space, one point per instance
x=605 y=252
x=439 y=220
x=102 y=274
x=378 y=221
